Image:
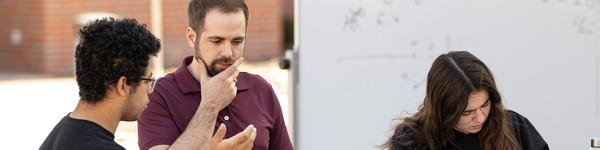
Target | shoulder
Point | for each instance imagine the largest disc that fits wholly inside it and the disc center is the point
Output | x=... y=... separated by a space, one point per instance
x=405 y=138
x=517 y=119
x=519 y=123
x=69 y=128
x=525 y=132
x=167 y=88
x=78 y=134
x=167 y=81
x=257 y=86
x=254 y=80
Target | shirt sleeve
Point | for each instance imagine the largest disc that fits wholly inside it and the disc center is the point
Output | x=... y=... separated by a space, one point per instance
x=279 y=137
x=525 y=132
x=155 y=124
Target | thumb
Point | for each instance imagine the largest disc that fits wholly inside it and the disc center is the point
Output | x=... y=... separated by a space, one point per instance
x=220 y=134
x=243 y=136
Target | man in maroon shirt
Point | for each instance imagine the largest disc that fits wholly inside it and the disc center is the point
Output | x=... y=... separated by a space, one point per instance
x=208 y=90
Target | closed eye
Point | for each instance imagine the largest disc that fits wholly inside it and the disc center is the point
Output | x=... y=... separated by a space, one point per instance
x=216 y=41
x=466 y=113
x=237 y=41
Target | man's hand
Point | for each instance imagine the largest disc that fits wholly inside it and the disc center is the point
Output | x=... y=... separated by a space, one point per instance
x=241 y=141
x=220 y=90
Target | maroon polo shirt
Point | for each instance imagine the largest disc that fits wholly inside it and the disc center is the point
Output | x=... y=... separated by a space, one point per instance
x=176 y=98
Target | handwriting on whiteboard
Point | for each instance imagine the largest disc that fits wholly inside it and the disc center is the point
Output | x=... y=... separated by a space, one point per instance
x=413 y=51
x=584 y=23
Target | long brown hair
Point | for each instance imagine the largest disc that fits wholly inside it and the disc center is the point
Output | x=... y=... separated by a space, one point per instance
x=452 y=78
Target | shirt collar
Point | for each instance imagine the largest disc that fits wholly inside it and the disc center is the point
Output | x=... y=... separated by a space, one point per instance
x=188 y=84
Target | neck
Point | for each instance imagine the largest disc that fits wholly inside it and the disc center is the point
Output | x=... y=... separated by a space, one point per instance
x=102 y=113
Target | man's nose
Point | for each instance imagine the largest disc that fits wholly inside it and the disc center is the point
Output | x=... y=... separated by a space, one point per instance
x=227 y=50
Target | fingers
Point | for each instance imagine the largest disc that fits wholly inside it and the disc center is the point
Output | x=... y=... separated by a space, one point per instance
x=253 y=135
x=233 y=87
x=248 y=144
x=220 y=134
x=244 y=136
x=234 y=76
x=237 y=64
x=232 y=71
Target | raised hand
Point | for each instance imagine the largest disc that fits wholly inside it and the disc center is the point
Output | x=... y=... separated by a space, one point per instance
x=241 y=141
x=220 y=90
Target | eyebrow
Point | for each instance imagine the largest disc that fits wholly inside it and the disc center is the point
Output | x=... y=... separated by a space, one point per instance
x=486 y=101
x=216 y=38
x=239 y=38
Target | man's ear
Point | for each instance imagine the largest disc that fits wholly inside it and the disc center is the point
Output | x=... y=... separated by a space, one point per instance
x=190 y=37
x=121 y=86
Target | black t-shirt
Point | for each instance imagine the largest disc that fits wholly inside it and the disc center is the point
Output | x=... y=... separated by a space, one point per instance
x=525 y=133
x=71 y=133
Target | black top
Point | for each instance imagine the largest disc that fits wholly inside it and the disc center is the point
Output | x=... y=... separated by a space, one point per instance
x=71 y=133
x=525 y=133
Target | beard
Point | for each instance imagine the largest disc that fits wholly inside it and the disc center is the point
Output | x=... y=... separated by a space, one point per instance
x=212 y=68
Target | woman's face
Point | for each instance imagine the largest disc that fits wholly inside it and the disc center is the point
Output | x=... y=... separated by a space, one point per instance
x=474 y=116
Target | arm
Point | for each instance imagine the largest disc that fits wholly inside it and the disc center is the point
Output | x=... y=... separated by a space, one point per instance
x=154 y=128
x=189 y=140
x=198 y=132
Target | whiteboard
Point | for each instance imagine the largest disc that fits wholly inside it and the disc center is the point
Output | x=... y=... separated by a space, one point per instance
x=363 y=63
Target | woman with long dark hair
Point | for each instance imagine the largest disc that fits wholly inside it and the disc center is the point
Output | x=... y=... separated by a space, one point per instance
x=463 y=109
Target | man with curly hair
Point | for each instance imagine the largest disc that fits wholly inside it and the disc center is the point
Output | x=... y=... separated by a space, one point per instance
x=113 y=66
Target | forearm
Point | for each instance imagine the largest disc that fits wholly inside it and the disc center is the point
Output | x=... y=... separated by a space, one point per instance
x=198 y=133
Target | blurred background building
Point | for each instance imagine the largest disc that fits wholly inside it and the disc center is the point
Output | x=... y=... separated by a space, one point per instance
x=38 y=36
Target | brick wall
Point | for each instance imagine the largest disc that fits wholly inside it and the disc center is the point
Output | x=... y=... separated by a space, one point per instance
x=61 y=28
x=49 y=31
x=174 y=25
x=265 y=29
x=18 y=19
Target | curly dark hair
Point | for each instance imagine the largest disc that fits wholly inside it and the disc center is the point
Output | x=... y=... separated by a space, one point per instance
x=108 y=49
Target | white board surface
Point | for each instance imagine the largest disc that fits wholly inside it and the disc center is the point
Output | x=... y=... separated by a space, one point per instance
x=362 y=63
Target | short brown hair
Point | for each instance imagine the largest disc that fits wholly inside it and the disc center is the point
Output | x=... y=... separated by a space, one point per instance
x=197 y=10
